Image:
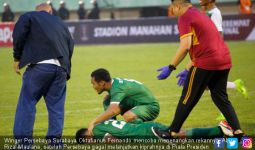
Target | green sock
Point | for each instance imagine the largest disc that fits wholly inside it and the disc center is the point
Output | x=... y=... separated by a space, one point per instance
x=206 y=133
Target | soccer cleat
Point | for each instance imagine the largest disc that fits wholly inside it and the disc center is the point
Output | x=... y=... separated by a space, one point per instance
x=239 y=136
x=226 y=128
x=162 y=134
x=241 y=88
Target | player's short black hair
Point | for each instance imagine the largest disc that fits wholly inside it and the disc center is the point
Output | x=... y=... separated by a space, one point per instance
x=80 y=135
x=101 y=74
x=184 y=1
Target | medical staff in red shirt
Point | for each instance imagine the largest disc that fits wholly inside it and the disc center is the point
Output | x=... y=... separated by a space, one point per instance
x=210 y=63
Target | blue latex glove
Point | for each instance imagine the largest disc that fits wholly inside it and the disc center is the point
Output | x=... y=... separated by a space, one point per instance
x=182 y=77
x=165 y=72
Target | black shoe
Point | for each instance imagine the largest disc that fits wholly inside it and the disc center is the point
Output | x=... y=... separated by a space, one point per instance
x=239 y=136
x=163 y=134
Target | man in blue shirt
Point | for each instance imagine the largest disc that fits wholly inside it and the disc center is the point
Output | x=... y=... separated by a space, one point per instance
x=43 y=42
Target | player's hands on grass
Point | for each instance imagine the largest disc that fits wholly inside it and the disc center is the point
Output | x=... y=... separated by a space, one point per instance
x=107 y=97
x=90 y=128
x=165 y=72
x=16 y=67
x=182 y=77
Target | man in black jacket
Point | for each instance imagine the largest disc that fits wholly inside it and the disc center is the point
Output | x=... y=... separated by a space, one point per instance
x=81 y=12
x=7 y=14
x=95 y=12
x=63 y=12
x=54 y=11
x=41 y=41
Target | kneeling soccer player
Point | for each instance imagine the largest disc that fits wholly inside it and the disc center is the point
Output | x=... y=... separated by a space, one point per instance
x=128 y=97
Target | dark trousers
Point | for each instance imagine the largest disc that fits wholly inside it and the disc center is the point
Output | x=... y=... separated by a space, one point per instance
x=197 y=81
x=40 y=80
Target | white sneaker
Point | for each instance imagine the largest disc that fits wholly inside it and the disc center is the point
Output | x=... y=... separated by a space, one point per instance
x=226 y=128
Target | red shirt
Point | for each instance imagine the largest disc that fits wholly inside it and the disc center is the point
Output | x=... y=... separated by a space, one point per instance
x=208 y=50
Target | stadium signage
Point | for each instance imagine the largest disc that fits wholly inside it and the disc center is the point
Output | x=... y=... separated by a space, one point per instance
x=110 y=31
x=151 y=30
x=232 y=26
x=125 y=31
x=145 y=30
x=239 y=27
x=6 y=30
x=118 y=31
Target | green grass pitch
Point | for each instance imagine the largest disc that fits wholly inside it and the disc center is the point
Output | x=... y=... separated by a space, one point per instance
x=136 y=61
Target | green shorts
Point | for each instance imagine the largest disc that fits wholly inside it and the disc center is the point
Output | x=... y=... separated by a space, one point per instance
x=146 y=112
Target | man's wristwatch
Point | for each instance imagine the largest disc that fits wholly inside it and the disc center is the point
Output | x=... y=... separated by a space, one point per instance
x=171 y=67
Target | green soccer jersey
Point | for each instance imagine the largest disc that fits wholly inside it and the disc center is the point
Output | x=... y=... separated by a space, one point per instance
x=121 y=129
x=130 y=93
